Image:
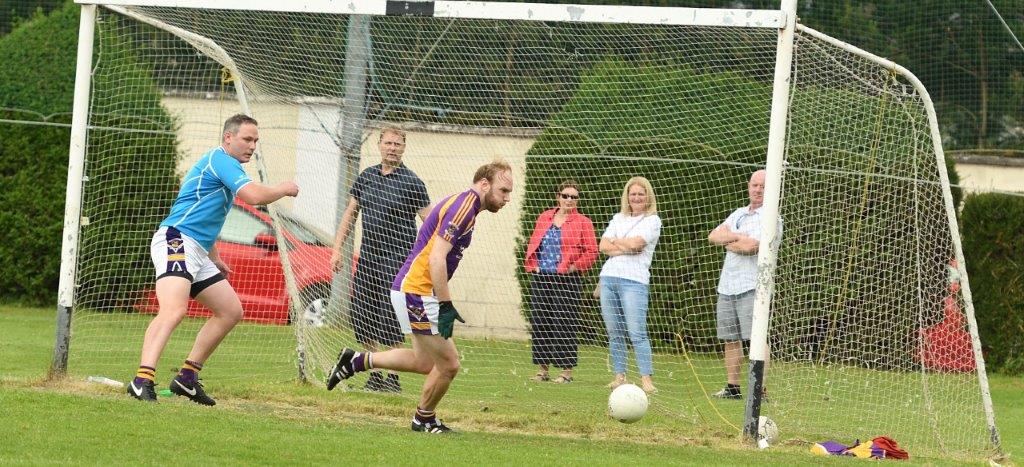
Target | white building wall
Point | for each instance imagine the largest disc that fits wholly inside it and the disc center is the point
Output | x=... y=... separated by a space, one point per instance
x=980 y=178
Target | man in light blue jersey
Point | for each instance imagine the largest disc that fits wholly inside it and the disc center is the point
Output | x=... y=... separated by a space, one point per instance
x=187 y=263
x=422 y=300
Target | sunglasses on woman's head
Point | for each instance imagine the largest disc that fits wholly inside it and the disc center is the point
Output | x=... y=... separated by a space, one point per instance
x=568 y=196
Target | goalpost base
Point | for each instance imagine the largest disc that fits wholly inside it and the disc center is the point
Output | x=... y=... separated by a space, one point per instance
x=755 y=394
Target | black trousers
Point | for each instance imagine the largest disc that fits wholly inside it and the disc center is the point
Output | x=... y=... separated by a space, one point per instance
x=555 y=318
x=373 y=317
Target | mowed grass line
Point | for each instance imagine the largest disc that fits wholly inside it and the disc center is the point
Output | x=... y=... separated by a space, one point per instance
x=49 y=424
x=78 y=423
x=817 y=402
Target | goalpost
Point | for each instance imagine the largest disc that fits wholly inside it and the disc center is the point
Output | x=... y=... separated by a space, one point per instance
x=848 y=298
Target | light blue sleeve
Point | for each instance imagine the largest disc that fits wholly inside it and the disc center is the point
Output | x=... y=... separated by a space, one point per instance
x=230 y=172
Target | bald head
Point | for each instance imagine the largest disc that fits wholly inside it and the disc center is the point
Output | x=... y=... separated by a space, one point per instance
x=755 y=189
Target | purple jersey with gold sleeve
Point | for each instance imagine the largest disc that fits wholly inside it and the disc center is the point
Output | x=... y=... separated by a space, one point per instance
x=452 y=219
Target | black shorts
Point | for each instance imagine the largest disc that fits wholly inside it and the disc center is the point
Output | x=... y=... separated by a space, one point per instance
x=373 y=317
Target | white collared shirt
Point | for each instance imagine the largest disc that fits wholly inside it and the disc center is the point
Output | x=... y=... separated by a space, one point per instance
x=739 y=272
x=636 y=267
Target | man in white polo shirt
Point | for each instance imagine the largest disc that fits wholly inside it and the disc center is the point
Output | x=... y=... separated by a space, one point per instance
x=740 y=235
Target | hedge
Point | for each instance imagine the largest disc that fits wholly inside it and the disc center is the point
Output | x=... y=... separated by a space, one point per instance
x=38 y=74
x=993 y=242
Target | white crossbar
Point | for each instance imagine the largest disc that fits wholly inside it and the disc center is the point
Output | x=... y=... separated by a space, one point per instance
x=492 y=10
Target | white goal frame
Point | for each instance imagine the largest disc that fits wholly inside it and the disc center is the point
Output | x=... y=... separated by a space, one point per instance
x=783 y=20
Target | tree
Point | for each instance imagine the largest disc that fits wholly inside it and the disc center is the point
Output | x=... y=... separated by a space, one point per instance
x=16 y=12
x=969 y=64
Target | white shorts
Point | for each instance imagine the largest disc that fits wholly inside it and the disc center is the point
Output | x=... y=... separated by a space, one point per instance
x=177 y=254
x=417 y=314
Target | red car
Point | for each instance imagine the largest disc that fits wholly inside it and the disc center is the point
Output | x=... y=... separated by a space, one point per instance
x=248 y=245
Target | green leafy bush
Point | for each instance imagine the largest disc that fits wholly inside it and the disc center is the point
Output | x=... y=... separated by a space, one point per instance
x=993 y=242
x=38 y=74
x=33 y=174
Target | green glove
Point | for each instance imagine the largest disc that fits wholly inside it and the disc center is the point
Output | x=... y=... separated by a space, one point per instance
x=446 y=317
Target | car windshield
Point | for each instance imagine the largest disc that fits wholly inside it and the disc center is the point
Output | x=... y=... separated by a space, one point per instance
x=305 y=232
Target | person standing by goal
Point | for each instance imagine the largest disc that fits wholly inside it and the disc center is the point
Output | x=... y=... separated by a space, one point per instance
x=422 y=300
x=390 y=195
x=625 y=285
x=187 y=263
x=561 y=248
x=740 y=236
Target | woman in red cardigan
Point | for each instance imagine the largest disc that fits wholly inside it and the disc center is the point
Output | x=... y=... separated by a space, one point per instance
x=561 y=248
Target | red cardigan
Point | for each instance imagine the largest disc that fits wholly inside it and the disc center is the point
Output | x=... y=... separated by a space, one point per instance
x=579 y=245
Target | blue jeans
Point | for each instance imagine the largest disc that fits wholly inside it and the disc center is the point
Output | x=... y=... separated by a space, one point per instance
x=624 y=307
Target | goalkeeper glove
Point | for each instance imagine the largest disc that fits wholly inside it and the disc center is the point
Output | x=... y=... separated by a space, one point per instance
x=446 y=317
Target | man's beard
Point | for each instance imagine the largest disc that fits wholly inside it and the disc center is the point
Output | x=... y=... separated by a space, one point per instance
x=491 y=205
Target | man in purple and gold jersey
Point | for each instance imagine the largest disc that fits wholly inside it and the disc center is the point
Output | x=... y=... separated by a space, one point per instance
x=421 y=298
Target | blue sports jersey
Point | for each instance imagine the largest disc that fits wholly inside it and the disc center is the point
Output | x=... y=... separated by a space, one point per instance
x=206 y=196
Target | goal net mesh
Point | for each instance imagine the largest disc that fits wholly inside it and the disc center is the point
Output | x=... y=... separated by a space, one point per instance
x=868 y=332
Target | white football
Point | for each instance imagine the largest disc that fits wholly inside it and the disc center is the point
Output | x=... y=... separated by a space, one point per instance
x=767 y=429
x=627 y=403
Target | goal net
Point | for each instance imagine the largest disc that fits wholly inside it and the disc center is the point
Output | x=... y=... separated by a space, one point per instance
x=868 y=334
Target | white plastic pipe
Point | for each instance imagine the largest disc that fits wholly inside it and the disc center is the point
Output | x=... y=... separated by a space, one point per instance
x=73 y=192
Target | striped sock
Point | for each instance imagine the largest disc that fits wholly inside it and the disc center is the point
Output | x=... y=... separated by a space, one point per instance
x=145 y=373
x=190 y=371
x=425 y=416
x=362 y=361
